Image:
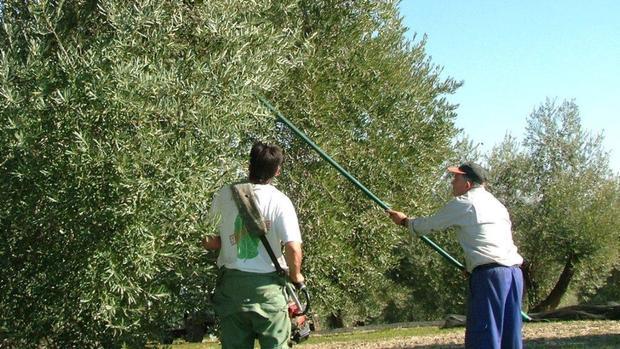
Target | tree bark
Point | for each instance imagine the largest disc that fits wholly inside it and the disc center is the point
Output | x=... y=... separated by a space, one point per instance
x=526 y=269
x=335 y=320
x=555 y=296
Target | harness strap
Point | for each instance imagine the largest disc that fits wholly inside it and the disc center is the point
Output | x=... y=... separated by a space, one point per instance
x=244 y=198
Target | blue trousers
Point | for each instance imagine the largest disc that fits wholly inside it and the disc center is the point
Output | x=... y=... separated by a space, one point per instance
x=494 y=308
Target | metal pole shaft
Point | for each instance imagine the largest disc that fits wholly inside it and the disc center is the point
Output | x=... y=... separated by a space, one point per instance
x=326 y=157
x=347 y=175
x=357 y=183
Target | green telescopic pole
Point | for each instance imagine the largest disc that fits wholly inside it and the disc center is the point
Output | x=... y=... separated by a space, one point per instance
x=352 y=179
x=357 y=183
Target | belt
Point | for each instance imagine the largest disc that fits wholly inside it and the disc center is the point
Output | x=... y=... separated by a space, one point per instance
x=493 y=265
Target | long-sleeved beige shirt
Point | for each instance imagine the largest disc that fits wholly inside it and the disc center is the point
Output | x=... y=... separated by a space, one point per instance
x=483 y=228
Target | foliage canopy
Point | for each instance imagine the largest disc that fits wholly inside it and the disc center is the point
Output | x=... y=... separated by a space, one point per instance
x=564 y=202
x=118 y=122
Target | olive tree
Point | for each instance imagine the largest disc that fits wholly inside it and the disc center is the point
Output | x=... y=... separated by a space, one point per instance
x=375 y=102
x=563 y=199
x=117 y=123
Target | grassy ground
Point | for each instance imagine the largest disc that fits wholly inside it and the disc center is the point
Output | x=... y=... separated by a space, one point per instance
x=325 y=339
x=571 y=335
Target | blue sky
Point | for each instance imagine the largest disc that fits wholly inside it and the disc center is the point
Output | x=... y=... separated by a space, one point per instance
x=512 y=55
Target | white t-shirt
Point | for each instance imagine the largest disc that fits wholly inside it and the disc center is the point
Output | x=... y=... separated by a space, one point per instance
x=239 y=249
x=483 y=228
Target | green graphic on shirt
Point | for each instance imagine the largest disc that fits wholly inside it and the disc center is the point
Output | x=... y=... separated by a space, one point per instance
x=247 y=245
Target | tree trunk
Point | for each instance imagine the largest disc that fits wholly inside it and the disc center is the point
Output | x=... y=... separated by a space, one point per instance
x=526 y=269
x=335 y=320
x=555 y=296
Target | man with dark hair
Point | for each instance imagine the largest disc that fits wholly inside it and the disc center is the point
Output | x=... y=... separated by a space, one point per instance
x=249 y=298
x=265 y=162
x=483 y=229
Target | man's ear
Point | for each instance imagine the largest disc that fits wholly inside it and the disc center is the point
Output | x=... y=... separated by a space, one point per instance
x=277 y=171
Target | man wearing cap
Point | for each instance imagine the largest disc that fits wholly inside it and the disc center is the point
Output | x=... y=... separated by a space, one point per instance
x=483 y=229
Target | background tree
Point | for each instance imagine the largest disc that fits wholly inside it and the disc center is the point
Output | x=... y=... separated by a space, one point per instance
x=564 y=203
x=608 y=292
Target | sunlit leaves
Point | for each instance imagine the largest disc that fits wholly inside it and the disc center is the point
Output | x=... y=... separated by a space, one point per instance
x=118 y=124
x=374 y=103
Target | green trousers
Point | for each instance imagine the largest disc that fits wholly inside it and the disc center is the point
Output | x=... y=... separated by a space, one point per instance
x=251 y=306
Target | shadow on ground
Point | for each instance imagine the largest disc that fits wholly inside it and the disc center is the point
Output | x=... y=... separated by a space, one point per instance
x=590 y=342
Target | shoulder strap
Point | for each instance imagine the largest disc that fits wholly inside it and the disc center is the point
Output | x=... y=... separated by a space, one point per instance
x=244 y=198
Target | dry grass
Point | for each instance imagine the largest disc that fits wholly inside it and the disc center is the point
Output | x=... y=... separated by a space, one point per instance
x=573 y=334
x=566 y=334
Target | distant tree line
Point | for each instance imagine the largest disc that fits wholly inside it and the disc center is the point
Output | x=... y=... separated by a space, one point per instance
x=119 y=121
